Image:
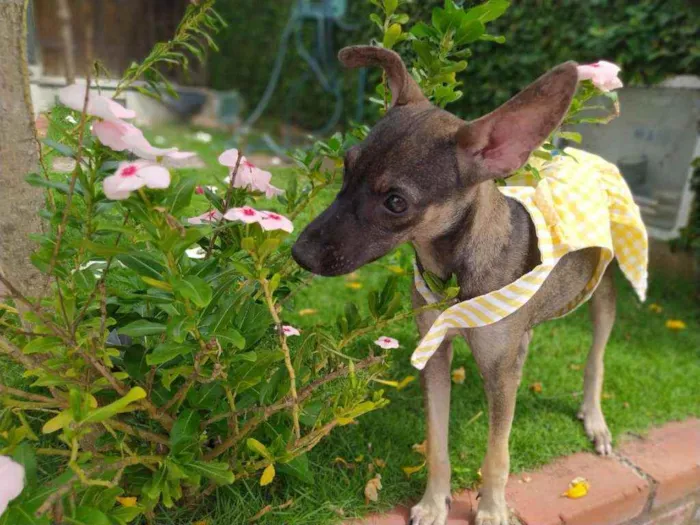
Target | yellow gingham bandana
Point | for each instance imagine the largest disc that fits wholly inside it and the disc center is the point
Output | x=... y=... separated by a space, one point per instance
x=581 y=201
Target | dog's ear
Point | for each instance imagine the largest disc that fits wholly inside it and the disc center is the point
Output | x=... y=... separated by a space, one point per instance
x=404 y=89
x=499 y=143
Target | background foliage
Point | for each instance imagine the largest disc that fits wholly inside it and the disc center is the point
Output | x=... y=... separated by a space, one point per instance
x=649 y=39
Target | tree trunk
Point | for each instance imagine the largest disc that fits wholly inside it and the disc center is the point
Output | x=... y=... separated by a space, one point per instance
x=64 y=15
x=19 y=154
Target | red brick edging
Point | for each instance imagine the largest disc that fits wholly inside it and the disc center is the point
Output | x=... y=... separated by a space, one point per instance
x=649 y=481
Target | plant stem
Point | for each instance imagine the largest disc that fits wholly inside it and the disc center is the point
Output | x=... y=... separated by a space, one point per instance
x=287 y=356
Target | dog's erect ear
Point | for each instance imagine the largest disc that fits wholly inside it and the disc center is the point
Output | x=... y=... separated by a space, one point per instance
x=501 y=142
x=404 y=89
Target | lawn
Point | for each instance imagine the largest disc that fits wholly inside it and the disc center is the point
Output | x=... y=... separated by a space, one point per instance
x=652 y=375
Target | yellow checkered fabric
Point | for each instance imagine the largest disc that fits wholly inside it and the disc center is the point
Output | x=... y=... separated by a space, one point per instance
x=581 y=201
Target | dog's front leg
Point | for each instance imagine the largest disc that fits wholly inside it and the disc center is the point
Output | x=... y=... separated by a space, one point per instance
x=435 y=380
x=500 y=354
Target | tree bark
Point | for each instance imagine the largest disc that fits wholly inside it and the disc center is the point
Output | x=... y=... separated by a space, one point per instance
x=19 y=154
x=64 y=15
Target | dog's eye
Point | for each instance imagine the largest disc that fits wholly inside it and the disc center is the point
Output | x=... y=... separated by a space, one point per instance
x=395 y=204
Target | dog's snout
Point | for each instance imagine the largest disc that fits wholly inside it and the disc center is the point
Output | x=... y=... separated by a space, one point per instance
x=301 y=254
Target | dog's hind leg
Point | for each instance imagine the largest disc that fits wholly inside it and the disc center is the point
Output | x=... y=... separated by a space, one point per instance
x=435 y=380
x=603 y=317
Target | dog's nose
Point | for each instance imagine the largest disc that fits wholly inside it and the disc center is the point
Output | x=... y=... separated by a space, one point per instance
x=301 y=254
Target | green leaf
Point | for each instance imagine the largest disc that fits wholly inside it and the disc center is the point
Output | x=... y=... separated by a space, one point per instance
x=125 y=515
x=195 y=289
x=167 y=351
x=58 y=422
x=217 y=472
x=64 y=150
x=571 y=135
x=111 y=410
x=143 y=264
x=299 y=468
x=87 y=516
x=390 y=6
x=181 y=195
x=34 y=179
x=231 y=337
x=392 y=36
x=142 y=328
x=257 y=447
x=42 y=345
x=24 y=455
x=103 y=250
x=185 y=430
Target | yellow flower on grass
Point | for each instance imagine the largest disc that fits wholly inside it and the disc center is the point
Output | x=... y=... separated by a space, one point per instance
x=578 y=488
x=354 y=285
x=200 y=522
x=459 y=375
x=268 y=475
x=127 y=502
x=656 y=308
x=675 y=324
x=409 y=471
x=308 y=311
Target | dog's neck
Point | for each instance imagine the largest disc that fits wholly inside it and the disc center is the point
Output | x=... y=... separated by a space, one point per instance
x=486 y=247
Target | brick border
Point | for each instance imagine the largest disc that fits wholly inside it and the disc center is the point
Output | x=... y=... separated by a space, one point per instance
x=653 y=480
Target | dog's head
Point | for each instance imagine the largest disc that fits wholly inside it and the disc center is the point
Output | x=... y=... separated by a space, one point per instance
x=417 y=172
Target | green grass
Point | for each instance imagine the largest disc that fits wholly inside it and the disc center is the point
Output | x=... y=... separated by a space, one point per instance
x=652 y=375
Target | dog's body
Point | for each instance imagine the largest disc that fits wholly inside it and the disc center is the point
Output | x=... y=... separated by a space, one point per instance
x=424 y=176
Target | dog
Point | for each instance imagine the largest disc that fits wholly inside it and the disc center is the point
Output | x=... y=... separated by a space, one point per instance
x=426 y=177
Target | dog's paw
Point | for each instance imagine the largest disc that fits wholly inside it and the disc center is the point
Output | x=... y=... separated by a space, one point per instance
x=492 y=517
x=431 y=510
x=597 y=430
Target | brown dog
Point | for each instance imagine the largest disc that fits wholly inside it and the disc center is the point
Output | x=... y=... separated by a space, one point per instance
x=426 y=177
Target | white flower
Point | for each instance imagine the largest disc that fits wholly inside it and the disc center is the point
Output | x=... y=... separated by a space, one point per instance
x=387 y=342
x=202 y=136
x=245 y=214
x=70 y=119
x=289 y=330
x=11 y=481
x=196 y=253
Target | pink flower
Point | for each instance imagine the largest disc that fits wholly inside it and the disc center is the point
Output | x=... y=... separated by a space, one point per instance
x=387 y=342
x=273 y=221
x=114 y=133
x=210 y=216
x=229 y=158
x=98 y=106
x=131 y=176
x=121 y=136
x=268 y=220
x=272 y=191
x=603 y=75
x=248 y=176
x=11 y=481
x=245 y=214
x=139 y=146
x=199 y=190
x=289 y=330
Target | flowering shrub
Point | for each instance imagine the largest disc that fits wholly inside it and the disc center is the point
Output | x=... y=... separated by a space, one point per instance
x=159 y=365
